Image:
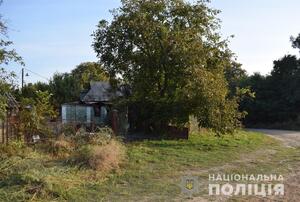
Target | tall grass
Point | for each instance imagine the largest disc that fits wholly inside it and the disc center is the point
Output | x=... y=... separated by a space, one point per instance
x=57 y=170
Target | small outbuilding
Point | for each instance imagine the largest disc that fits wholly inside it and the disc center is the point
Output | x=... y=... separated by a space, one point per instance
x=95 y=108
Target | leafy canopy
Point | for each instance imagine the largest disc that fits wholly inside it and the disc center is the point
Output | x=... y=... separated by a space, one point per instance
x=172 y=56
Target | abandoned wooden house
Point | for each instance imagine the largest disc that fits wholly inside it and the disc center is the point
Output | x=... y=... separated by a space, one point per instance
x=8 y=124
x=95 y=108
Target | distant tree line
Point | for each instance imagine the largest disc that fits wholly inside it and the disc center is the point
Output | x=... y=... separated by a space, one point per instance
x=277 y=95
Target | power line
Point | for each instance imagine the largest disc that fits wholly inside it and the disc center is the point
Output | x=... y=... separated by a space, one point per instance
x=37 y=74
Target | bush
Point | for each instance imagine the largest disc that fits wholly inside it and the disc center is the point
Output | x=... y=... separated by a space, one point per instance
x=68 y=130
x=108 y=157
x=102 y=158
x=62 y=148
x=102 y=136
x=14 y=148
x=81 y=156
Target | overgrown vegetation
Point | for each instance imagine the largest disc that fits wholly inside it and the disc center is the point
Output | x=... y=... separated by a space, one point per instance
x=152 y=169
x=35 y=114
x=59 y=168
x=99 y=151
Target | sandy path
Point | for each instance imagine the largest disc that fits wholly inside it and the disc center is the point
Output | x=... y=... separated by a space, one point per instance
x=289 y=138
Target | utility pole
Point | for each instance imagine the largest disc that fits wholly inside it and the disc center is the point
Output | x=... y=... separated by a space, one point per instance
x=22 y=78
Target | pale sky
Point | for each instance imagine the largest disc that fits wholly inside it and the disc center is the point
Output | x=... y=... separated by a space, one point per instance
x=54 y=35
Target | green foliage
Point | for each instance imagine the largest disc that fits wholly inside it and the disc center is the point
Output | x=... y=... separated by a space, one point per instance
x=101 y=136
x=64 y=88
x=67 y=87
x=61 y=148
x=87 y=72
x=98 y=150
x=172 y=56
x=6 y=85
x=271 y=101
x=6 y=55
x=68 y=130
x=44 y=108
x=35 y=114
x=277 y=95
x=31 y=179
x=29 y=90
x=82 y=155
x=14 y=148
x=29 y=122
x=235 y=75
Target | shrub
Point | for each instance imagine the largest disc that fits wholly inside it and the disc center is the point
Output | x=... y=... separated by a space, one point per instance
x=81 y=155
x=62 y=148
x=102 y=158
x=102 y=136
x=14 y=148
x=108 y=157
x=68 y=130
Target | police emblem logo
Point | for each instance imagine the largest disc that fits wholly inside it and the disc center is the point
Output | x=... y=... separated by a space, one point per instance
x=189 y=185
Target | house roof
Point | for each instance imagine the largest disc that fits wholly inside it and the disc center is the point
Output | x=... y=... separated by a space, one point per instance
x=100 y=92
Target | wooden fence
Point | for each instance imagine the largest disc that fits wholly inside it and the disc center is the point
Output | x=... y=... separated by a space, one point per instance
x=8 y=129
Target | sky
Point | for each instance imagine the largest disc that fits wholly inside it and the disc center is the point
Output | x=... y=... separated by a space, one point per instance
x=55 y=35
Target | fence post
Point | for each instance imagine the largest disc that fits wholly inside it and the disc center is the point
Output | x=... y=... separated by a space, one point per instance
x=3 y=128
x=114 y=121
x=7 y=128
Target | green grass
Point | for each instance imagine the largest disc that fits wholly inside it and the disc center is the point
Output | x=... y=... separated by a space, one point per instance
x=152 y=171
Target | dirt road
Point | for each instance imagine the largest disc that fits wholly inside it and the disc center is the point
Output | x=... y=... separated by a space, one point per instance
x=289 y=138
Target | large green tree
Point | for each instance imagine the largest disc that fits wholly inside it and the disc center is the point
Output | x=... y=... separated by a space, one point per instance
x=172 y=56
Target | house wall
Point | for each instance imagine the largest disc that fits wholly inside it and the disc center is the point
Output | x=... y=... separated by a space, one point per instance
x=83 y=114
x=77 y=114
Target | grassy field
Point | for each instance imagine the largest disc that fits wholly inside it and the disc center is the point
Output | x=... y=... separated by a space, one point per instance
x=152 y=171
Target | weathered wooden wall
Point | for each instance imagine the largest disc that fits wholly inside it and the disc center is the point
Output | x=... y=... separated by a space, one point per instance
x=8 y=130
